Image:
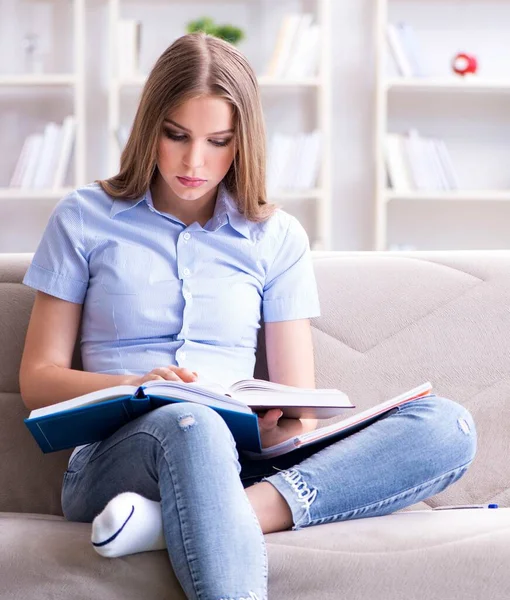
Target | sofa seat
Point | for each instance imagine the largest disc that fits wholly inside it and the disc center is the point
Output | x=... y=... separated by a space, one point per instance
x=435 y=552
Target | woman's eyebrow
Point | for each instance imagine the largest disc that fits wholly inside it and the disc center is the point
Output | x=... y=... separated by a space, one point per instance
x=189 y=130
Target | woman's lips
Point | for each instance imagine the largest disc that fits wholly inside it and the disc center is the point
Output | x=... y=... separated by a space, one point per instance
x=191 y=182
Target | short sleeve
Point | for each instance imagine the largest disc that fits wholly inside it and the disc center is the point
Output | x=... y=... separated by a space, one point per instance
x=59 y=266
x=290 y=290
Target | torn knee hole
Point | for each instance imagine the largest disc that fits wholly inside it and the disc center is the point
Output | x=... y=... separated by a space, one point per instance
x=186 y=421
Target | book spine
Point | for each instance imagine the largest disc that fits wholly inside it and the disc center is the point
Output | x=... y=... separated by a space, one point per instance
x=396 y=162
x=283 y=46
x=44 y=164
x=410 y=44
x=33 y=155
x=21 y=163
x=65 y=151
x=85 y=424
x=398 y=51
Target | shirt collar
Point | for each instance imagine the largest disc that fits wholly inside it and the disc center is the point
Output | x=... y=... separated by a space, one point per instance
x=225 y=210
x=119 y=206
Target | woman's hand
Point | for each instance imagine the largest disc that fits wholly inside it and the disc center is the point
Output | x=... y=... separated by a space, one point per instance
x=274 y=429
x=170 y=373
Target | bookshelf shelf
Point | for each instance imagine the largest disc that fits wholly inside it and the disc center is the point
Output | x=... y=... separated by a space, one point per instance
x=37 y=80
x=289 y=195
x=454 y=196
x=447 y=84
x=120 y=87
x=28 y=194
x=139 y=81
x=283 y=83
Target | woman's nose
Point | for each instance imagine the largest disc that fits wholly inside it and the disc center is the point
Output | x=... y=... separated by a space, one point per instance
x=194 y=157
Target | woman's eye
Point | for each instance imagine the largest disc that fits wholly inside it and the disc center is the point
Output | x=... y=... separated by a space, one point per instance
x=220 y=143
x=174 y=136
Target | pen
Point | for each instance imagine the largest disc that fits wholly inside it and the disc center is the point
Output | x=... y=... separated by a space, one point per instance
x=460 y=506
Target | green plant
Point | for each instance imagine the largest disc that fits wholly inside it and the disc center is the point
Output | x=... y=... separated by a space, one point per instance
x=229 y=33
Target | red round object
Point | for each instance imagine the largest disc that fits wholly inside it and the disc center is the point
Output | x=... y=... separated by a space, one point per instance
x=464 y=63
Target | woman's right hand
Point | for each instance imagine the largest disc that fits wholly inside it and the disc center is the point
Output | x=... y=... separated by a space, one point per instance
x=169 y=373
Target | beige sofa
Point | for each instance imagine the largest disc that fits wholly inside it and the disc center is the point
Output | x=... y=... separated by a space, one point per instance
x=389 y=322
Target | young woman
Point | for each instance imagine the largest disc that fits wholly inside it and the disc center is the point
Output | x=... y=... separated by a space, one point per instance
x=164 y=271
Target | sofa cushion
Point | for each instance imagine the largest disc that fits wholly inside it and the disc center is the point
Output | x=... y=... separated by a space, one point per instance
x=30 y=481
x=389 y=322
x=426 y=555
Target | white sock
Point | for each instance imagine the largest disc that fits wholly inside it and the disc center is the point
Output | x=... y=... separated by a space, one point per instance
x=128 y=524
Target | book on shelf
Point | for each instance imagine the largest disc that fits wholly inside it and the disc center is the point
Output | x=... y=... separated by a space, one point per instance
x=94 y=416
x=293 y=161
x=29 y=166
x=47 y=156
x=405 y=50
x=23 y=159
x=128 y=48
x=64 y=152
x=296 y=50
x=43 y=162
x=344 y=427
x=396 y=165
x=414 y=162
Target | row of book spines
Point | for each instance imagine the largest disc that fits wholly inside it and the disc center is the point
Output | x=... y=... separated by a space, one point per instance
x=293 y=161
x=404 y=49
x=297 y=48
x=44 y=159
x=295 y=54
x=414 y=162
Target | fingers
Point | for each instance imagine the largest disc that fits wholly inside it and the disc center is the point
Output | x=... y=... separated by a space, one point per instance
x=166 y=374
x=172 y=373
x=185 y=374
x=152 y=377
x=270 y=419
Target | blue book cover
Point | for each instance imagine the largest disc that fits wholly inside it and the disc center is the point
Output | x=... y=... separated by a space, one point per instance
x=97 y=421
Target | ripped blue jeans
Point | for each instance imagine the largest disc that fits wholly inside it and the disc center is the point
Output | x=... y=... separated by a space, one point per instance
x=184 y=456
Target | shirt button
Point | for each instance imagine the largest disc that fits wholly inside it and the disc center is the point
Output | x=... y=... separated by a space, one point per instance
x=186 y=236
x=187 y=296
x=182 y=355
x=186 y=272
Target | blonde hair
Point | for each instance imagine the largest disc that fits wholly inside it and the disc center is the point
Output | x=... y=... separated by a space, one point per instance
x=197 y=65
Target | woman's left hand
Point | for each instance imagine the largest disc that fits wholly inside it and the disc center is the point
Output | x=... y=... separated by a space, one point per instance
x=274 y=429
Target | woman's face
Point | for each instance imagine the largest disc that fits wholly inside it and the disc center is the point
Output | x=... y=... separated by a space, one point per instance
x=196 y=147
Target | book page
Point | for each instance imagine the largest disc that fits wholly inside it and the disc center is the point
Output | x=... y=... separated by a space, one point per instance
x=200 y=391
x=351 y=422
x=259 y=393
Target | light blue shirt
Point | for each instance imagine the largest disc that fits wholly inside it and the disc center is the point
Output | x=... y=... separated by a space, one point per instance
x=156 y=292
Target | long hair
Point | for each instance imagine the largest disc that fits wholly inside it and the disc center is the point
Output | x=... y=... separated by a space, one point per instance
x=197 y=65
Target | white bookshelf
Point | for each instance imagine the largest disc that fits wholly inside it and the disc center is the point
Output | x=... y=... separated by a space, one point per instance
x=28 y=194
x=321 y=86
x=452 y=84
x=441 y=90
x=37 y=80
x=36 y=84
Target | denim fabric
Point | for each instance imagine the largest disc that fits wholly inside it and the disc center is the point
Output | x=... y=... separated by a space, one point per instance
x=184 y=455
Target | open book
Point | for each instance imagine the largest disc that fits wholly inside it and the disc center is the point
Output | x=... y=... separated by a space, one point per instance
x=95 y=416
x=345 y=427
